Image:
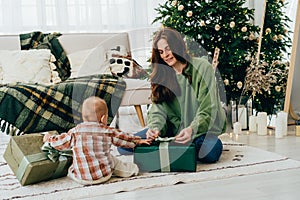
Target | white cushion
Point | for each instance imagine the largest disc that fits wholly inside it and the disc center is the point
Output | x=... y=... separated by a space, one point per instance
x=137 y=92
x=76 y=60
x=26 y=66
x=88 y=62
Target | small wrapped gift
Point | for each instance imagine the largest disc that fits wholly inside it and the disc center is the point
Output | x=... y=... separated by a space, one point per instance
x=163 y=155
x=31 y=164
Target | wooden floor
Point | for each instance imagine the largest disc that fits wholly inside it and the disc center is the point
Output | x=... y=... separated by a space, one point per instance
x=282 y=185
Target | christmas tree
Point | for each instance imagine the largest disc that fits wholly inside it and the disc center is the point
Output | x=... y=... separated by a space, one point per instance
x=274 y=45
x=227 y=25
x=223 y=24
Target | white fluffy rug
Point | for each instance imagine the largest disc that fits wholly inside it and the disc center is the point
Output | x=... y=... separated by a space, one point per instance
x=236 y=160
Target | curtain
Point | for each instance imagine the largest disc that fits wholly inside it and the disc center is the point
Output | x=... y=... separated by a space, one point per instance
x=76 y=15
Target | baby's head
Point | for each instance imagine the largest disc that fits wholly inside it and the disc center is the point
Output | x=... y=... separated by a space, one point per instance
x=94 y=109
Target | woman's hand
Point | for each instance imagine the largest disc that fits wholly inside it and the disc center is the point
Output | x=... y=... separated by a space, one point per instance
x=152 y=134
x=184 y=136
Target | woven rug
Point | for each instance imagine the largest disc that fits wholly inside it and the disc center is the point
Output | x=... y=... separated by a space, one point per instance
x=236 y=160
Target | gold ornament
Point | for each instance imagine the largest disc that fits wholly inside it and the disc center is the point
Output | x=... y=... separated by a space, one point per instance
x=251 y=36
x=217 y=27
x=239 y=84
x=202 y=23
x=232 y=24
x=180 y=7
x=244 y=29
x=226 y=82
x=277 y=88
x=189 y=13
x=174 y=3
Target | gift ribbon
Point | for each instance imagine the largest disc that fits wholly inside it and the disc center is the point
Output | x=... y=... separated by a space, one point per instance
x=49 y=153
x=56 y=155
x=27 y=160
x=164 y=153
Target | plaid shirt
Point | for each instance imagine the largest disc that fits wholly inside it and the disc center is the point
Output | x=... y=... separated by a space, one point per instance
x=91 y=143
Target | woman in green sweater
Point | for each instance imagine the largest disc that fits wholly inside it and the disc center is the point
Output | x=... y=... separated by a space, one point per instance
x=186 y=104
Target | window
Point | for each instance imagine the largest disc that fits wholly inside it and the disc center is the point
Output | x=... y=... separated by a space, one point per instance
x=75 y=15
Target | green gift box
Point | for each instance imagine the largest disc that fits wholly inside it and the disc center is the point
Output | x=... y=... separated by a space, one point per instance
x=30 y=163
x=165 y=156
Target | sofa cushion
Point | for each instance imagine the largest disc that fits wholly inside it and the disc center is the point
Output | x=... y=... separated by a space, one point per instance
x=138 y=92
x=123 y=65
x=27 y=66
x=88 y=62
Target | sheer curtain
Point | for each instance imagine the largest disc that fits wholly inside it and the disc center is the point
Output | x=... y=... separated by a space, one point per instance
x=18 y=16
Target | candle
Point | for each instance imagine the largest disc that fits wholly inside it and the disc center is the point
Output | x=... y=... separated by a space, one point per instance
x=261 y=123
x=242 y=116
x=237 y=128
x=297 y=130
x=283 y=116
x=279 y=126
x=252 y=123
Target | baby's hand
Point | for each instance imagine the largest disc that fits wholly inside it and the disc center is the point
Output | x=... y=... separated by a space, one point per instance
x=46 y=137
x=145 y=141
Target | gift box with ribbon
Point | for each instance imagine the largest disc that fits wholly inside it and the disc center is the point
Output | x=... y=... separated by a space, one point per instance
x=164 y=155
x=32 y=161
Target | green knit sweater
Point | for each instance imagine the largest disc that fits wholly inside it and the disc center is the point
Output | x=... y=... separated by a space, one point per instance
x=198 y=105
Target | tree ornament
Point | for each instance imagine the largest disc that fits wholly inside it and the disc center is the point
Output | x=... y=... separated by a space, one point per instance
x=239 y=85
x=251 y=36
x=226 y=82
x=217 y=27
x=189 y=13
x=277 y=88
x=180 y=7
x=232 y=24
x=174 y=3
x=202 y=23
x=244 y=29
x=268 y=31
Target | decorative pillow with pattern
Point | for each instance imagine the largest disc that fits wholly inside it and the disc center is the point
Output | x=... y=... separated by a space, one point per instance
x=121 y=64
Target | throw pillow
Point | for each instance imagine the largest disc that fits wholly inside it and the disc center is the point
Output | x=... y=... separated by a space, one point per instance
x=121 y=64
x=26 y=66
x=88 y=62
x=126 y=67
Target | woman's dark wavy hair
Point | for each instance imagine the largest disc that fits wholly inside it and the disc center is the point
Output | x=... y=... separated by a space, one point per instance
x=163 y=77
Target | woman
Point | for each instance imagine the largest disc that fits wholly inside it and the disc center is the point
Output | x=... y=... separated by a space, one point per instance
x=185 y=100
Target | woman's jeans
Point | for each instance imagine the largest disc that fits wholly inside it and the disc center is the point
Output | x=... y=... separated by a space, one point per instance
x=208 y=147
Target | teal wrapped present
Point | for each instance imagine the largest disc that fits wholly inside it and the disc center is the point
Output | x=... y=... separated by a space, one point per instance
x=31 y=164
x=165 y=156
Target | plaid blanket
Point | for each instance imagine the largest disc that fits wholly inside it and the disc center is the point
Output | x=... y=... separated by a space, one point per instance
x=39 y=40
x=31 y=108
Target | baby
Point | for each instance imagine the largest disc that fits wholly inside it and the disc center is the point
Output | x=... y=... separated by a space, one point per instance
x=91 y=143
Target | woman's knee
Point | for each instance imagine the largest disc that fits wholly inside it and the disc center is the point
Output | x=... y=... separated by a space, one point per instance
x=209 y=148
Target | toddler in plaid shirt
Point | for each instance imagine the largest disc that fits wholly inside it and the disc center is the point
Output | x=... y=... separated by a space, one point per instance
x=91 y=143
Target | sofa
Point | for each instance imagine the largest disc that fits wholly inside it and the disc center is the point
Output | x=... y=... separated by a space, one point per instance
x=89 y=55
